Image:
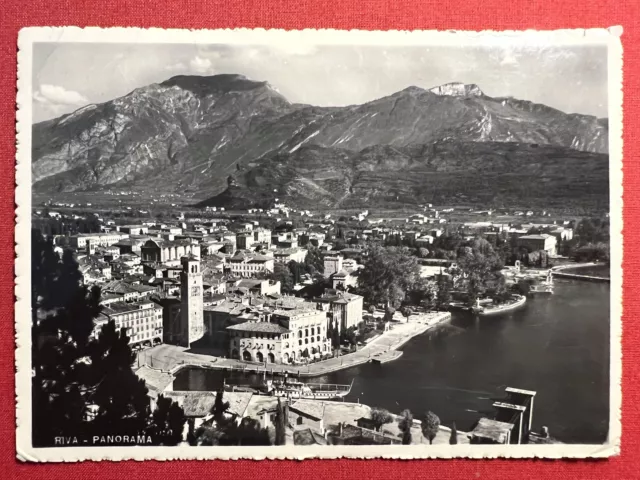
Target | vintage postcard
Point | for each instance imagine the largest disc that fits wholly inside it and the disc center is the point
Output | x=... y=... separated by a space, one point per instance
x=318 y=244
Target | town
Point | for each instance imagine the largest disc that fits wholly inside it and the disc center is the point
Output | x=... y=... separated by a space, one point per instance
x=289 y=293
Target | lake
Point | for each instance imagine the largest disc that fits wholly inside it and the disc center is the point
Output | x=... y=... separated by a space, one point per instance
x=557 y=345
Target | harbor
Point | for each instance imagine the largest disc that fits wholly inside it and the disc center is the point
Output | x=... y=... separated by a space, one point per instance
x=382 y=349
x=434 y=370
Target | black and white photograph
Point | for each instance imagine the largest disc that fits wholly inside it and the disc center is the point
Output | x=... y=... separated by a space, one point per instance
x=318 y=244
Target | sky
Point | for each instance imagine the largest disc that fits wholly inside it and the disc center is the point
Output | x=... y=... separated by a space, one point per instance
x=67 y=76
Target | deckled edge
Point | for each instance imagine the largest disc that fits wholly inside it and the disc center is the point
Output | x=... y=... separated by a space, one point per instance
x=28 y=36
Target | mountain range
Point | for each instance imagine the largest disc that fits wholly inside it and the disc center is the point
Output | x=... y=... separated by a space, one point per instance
x=227 y=140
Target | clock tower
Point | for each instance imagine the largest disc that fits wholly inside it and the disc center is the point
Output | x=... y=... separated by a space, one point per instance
x=191 y=309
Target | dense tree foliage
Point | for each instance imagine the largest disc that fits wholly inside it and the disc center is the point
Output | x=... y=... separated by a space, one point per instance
x=380 y=417
x=430 y=426
x=453 y=439
x=479 y=271
x=281 y=422
x=84 y=385
x=388 y=274
x=404 y=424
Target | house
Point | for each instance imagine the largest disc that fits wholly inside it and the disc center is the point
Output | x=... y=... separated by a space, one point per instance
x=286 y=255
x=544 y=241
x=246 y=264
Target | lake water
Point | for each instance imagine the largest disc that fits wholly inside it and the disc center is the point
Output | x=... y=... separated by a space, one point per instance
x=557 y=345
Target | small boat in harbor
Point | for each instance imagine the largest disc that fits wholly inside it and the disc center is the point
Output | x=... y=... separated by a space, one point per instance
x=318 y=391
x=545 y=286
x=517 y=302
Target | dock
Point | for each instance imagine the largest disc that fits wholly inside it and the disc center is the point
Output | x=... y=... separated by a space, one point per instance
x=386 y=357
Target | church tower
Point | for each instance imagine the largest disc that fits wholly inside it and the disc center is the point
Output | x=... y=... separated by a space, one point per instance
x=191 y=310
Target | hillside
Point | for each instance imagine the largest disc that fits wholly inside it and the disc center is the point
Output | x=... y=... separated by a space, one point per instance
x=192 y=134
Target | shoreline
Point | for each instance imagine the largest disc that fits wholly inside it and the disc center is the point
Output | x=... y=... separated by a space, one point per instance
x=559 y=272
x=172 y=359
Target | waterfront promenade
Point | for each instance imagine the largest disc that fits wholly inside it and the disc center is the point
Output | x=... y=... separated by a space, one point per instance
x=561 y=272
x=172 y=358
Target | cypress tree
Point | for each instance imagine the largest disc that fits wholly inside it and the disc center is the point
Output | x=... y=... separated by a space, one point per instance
x=280 y=424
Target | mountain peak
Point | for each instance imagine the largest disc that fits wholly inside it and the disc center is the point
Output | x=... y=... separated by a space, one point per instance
x=211 y=84
x=458 y=89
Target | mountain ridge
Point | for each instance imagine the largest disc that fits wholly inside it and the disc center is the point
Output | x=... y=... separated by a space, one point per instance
x=191 y=133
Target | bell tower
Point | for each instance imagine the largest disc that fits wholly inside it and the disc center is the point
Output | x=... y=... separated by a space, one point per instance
x=191 y=310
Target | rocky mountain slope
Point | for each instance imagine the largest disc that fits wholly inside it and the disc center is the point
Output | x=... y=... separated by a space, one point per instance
x=229 y=140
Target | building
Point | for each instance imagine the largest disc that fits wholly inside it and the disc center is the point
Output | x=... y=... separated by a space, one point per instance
x=332 y=264
x=97 y=239
x=246 y=264
x=291 y=336
x=544 y=241
x=346 y=308
x=257 y=286
x=286 y=255
x=343 y=280
x=134 y=229
x=245 y=240
x=164 y=251
x=262 y=235
x=142 y=320
x=512 y=423
x=191 y=303
x=285 y=240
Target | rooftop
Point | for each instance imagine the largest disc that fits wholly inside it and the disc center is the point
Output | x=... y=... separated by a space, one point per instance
x=155 y=380
x=492 y=430
x=311 y=408
x=200 y=404
x=259 y=327
x=123 y=307
x=542 y=236
x=308 y=437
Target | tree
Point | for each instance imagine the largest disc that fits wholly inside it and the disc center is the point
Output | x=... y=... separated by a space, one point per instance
x=83 y=385
x=296 y=271
x=282 y=274
x=220 y=407
x=167 y=422
x=388 y=274
x=313 y=262
x=430 y=426
x=335 y=337
x=388 y=314
x=404 y=424
x=453 y=439
x=371 y=309
x=423 y=252
x=350 y=336
x=480 y=267
x=406 y=311
x=280 y=424
x=380 y=417
x=443 y=293
x=120 y=396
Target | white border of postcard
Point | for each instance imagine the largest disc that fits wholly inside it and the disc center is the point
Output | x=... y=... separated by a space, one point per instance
x=27 y=37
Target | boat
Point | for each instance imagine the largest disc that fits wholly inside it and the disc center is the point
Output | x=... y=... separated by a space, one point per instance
x=315 y=391
x=543 y=287
x=482 y=311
